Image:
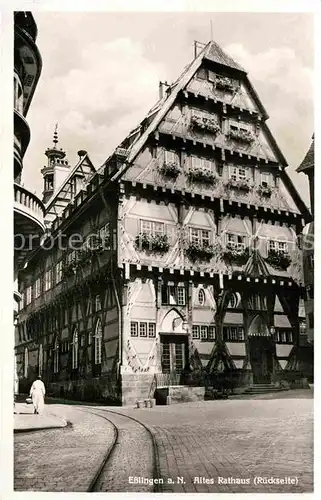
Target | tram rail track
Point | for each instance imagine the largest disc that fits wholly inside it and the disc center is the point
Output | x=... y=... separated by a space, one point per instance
x=109 y=455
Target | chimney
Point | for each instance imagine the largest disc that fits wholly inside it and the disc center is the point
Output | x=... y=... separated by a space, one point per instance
x=161 y=90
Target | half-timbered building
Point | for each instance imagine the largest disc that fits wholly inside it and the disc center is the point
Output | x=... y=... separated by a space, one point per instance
x=188 y=264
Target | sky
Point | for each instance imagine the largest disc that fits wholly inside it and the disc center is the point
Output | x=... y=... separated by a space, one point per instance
x=101 y=73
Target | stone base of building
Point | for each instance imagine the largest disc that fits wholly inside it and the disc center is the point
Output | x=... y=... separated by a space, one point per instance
x=103 y=389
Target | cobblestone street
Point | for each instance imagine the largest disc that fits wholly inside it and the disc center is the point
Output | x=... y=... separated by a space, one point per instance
x=235 y=440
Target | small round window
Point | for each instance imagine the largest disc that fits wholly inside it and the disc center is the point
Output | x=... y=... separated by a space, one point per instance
x=201 y=297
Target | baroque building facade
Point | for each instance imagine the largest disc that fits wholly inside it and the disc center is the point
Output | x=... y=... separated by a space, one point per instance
x=188 y=264
x=28 y=208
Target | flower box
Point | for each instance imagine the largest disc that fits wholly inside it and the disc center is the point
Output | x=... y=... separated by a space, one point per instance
x=170 y=169
x=242 y=185
x=236 y=255
x=264 y=190
x=278 y=260
x=203 y=123
x=245 y=136
x=154 y=243
x=225 y=83
x=196 y=251
x=201 y=175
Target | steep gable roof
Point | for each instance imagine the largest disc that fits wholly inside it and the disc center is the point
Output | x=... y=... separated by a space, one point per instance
x=77 y=167
x=212 y=52
x=308 y=161
x=216 y=54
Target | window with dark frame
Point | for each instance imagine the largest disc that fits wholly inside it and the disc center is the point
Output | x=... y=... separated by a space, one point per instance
x=173 y=295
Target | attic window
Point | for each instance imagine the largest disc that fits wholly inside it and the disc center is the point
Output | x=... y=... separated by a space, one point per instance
x=265 y=179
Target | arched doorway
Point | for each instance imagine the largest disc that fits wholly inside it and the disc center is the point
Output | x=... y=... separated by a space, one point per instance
x=261 y=351
x=174 y=346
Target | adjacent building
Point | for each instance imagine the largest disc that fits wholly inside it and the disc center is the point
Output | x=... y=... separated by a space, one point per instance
x=187 y=265
x=307 y=167
x=28 y=208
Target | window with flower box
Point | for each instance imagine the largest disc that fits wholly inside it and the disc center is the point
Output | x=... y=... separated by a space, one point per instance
x=237 y=173
x=266 y=179
x=152 y=228
x=200 y=237
x=173 y=294
x=278 y=246
x=203 y=163
x=171 y=157
x=236 y=241
x=240 y=132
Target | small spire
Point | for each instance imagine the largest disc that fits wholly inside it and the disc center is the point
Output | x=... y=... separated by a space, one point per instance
x=55 y=139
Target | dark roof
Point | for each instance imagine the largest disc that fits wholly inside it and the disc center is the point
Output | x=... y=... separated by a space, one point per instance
x=308 y=161
x=216 y=54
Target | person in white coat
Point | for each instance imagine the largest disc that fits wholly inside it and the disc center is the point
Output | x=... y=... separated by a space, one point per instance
x=37 y=394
